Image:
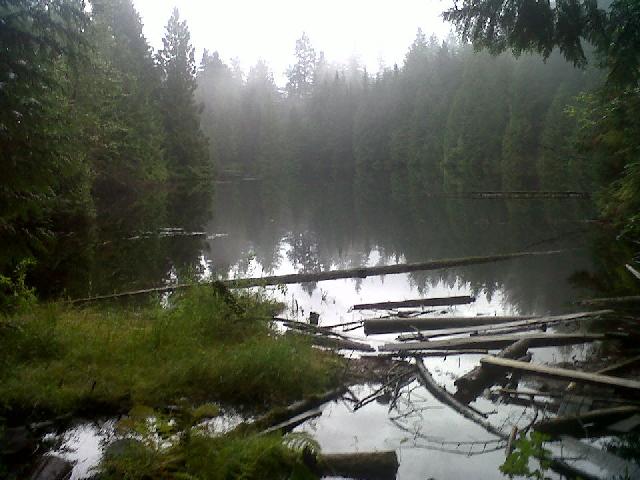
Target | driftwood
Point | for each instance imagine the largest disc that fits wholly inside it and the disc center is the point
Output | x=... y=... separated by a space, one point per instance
x=293 y=422
x=362 y=272
x=561 y=373
x=445 y=397
x=612 y=368
x=567 y=397
x=500 y=327
x=590 y=424
x=393 y=324
x=365 y=466
x=423 y=302
x=470 y=385
x=597 y=302
x=306 y=327
x=495 y=342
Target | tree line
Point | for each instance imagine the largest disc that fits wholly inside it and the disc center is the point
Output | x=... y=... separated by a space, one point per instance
x=89 y=114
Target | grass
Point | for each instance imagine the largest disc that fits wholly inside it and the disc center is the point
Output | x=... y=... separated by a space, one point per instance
x=209 y=346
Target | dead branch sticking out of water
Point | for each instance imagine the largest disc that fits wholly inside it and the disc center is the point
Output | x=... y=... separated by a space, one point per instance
x=495 y=342
x=362 y=272
x=470 y=385
x=445 y=397
x=561 y=373
x=526 y=322
x=423 y=302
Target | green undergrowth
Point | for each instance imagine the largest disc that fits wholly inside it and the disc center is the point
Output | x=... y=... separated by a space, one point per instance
x=208 y=346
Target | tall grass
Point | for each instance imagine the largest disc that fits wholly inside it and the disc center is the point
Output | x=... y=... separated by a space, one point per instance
x=207 y=346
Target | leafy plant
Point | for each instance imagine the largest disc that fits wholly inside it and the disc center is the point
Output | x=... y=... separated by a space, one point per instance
x=526 y=449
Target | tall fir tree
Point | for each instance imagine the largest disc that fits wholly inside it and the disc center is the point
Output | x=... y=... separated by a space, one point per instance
x=185 y=144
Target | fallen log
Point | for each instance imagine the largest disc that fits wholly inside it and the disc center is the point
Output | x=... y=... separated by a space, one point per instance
x=512 y=194
x=362 y=272
x=561 y=373
x=563 y=395
x=590 y=424
x=446 y=398
x=293 y=422
x=365 y=466
x=597 y=302
x=279 y=415
x=612 y=368
x=374 y=326
x=492 y=342
x=633 y=271
x=340 y=343
x=307 y=327
x=525 y=322
x=470 y=385
x=423 y=302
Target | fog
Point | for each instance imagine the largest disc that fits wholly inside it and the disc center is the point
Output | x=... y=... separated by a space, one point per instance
x=375 y=31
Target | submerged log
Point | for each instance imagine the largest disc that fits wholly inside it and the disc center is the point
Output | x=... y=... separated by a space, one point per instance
x=561 y=373
x=362 y=272
x=445 y=397
x=470 y=385
x=590 y=424
x=495 y=341
x=423 y=302
x=393 y=324
x=525 y=322
x=365 y=466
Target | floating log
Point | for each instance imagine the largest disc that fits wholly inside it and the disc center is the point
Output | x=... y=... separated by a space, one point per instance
x=597 y=302
x=362 y=272
x=393 y=324
x=561 y=373
x=445 y=397
x=563 y=395
x=525 y=322
x=512 y=194
x=423 y=302
x=470 y=385
x=590 y=424
x=612 y=368
x=365 y=466
x=495 y=342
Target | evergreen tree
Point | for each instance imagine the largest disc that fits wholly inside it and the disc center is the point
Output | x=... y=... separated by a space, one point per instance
x=301 y=74
x=185 y=145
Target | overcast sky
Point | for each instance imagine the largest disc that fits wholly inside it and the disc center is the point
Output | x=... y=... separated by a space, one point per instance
x=252 y=29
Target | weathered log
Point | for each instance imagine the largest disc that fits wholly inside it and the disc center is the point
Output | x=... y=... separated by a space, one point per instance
x=495 y=342
x=524 y=322
x=598 y=302
x=612 y=368
x=362 y=272
x=590 y=424
x=512 y=439
x=470 y=385
x=423 y=302
x=561 y=373
x=293 y=422
x=365 y=466
x=538 y=393
x=445 y=397
x=393 y=324
x=306 y=327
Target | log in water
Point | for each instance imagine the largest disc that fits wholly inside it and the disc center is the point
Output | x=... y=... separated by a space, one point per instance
x=362 y=272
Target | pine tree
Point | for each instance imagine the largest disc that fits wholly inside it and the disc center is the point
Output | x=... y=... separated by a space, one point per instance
x=301 y=74
x=185 y=145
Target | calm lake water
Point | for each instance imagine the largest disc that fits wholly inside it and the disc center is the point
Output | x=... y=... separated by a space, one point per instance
x=250 y=229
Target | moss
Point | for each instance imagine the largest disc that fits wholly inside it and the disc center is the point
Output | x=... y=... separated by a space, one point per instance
x=57 y=359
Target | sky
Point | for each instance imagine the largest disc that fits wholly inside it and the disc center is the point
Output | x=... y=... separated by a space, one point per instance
x=373 y=30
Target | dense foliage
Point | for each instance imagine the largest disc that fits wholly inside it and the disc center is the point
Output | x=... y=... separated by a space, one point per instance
x=86 y=115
